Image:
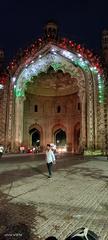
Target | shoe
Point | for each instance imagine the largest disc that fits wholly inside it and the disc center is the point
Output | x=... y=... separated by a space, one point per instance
x=49 y=176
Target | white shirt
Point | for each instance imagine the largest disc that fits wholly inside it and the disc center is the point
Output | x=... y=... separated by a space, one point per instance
x=1 y=149
x=50 y=157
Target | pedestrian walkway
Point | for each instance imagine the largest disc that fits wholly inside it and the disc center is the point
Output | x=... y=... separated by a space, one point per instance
x=76 y=196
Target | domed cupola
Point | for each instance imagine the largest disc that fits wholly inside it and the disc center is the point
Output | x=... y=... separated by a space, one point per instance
x=51 y=31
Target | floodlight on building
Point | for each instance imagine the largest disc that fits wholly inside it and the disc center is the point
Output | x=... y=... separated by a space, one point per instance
x=13 y=79
x=1 y=86
x=79 y=55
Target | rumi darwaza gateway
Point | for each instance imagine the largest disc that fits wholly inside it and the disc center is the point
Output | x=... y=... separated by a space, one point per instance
x=54 y=92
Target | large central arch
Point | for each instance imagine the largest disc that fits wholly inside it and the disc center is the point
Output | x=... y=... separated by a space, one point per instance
x=88 y=79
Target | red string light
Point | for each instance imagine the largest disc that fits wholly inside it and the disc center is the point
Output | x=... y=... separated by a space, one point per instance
x=3 y=78
x=62 y=43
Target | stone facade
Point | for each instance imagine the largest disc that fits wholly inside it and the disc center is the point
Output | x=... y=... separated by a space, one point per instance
x=53 y=89
x=4 y=110
x=47 y=120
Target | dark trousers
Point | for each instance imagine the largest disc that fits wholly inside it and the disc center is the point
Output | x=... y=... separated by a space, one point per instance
x=49 y=166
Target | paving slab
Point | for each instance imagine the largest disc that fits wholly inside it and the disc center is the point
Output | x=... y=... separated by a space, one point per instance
x=76 y=196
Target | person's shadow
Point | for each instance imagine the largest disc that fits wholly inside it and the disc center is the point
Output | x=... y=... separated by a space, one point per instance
x=38 y=171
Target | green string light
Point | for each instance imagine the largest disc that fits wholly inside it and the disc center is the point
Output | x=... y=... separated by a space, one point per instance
x=79 y=62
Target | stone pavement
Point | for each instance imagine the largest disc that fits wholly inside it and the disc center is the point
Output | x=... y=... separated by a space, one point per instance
x=76 y=196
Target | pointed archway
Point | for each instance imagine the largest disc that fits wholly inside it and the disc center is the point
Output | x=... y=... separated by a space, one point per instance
x=60 y=137
x=35 y=137
x=89 y=80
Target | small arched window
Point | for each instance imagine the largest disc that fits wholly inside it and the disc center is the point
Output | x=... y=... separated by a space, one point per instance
x=79 y=106
x=36 y=108
x=58 y=109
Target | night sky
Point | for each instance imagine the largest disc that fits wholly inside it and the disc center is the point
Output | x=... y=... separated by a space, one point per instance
x=22 y=21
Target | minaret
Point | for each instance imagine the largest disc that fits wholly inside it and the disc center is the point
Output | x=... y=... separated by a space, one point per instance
x=1 y=58
x=105 y=46
x=51 y=31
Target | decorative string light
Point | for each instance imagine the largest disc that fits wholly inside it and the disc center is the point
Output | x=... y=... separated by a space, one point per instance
x=77 y=54
x=3 y=80
x=1 y=86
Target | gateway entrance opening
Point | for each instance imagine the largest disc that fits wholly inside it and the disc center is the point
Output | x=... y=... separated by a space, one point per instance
x=35 y=135
x=60 y=138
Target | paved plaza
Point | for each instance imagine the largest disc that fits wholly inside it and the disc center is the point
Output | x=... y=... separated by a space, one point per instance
x=76 y=196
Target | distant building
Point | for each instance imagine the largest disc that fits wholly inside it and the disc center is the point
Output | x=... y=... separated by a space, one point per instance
x=55 y=95
x=105 y=65
x=105 y=46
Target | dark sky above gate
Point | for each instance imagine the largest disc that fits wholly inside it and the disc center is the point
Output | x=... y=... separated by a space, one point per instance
x=22 y=21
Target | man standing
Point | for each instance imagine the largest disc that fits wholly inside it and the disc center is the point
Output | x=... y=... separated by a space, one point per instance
x=50 y=159
x=1 y=150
